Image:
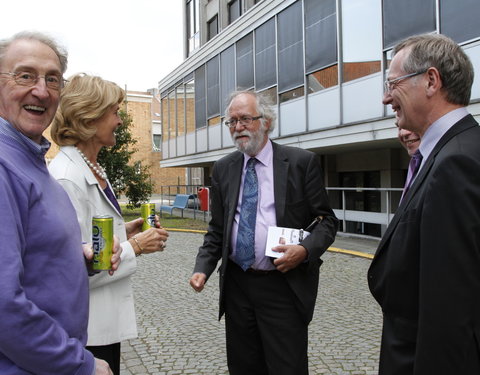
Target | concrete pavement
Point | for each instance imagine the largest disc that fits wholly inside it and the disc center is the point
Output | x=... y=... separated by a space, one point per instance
x=179 y=332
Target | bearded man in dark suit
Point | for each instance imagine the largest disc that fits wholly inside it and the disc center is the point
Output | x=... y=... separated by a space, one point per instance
x=268 y=303
x=426 y=271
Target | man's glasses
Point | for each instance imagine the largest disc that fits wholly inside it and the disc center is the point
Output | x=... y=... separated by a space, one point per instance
x=53 y=81
x=245 y=120
x=389 y=85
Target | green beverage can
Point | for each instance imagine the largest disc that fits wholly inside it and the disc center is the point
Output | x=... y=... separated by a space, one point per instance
x=102 y=242
x=147 y=210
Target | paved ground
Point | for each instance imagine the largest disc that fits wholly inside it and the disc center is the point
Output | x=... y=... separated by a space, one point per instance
x=179 y=332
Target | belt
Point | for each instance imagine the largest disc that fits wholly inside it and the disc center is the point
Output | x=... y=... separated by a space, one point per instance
x=260 y=272
x=252 y=271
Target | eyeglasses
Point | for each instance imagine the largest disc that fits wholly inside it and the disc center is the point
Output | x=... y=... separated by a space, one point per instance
x=245 y=120
x=389 y=85
x=53 y=81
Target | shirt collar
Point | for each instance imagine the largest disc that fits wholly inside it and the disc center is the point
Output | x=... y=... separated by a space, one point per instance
x=438 y=129
x=265 y=155
x=37 y=149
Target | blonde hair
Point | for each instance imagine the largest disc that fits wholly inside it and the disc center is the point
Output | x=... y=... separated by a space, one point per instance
x=84 y=99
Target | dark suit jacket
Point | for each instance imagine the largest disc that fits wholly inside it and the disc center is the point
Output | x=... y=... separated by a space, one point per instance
x=299 y=197
x=426 y=272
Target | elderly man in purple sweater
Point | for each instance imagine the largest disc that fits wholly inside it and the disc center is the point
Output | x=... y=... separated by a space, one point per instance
x=44 y=288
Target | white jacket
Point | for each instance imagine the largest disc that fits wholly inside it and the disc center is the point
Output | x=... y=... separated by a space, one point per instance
x=112 y=312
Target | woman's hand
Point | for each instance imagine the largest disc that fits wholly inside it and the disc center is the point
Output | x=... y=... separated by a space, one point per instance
x=117 y=252
x=133 y=227
x=115 y=259
x=150 y=241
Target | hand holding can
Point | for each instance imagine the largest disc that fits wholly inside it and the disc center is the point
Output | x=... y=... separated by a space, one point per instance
x=102 y=242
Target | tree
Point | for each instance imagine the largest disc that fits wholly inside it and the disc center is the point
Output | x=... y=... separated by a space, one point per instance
x=131 y=180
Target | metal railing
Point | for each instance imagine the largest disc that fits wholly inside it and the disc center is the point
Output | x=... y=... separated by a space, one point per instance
x=363 y=206
x=169 y=191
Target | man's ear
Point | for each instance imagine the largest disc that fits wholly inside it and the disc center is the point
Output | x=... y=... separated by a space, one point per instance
x=434 y=81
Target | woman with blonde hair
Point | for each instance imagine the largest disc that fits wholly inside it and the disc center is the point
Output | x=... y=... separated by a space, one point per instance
x=85 y=122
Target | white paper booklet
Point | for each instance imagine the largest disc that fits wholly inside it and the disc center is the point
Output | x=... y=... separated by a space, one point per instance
x=282 y=236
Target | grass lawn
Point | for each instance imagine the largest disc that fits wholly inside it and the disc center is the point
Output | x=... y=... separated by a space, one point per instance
x=168 y=221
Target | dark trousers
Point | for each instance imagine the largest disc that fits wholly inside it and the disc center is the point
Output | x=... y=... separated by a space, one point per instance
x=109 y=353
x=265 y=332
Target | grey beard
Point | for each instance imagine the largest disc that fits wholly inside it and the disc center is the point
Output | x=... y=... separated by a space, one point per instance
x=253 y=146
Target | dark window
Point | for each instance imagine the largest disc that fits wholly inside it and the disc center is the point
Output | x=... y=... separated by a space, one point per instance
x=234 y=10
x=320 y=34
x=265 y=56
x=157 y=142
x=212 y=29
x=271 y=94
x=362 y=200
x=459 y=19
x=245 y=62
x=213 y=88
x=200 y=98
x=323 y=78
x=292 y=94
x=227 y=76
x=290 y=48
x=404 y=18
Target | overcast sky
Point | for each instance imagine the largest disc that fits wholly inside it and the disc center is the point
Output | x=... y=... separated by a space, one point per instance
x=131 y=42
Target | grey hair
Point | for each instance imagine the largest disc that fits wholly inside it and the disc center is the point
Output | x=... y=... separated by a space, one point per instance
x=40 y=37
x=264 y=106
x=442 y=53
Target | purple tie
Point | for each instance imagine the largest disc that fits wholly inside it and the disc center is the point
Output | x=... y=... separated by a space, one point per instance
x=413 y=167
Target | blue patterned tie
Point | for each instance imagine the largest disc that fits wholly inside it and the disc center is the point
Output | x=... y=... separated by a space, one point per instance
x=245 y=250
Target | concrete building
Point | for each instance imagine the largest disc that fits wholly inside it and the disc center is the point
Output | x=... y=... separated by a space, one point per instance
x=323 y=64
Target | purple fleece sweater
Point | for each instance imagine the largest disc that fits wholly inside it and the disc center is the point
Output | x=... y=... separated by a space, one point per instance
x=43 y=280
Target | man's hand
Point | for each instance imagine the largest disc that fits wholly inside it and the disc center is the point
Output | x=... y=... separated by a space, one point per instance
x=88 y=255
x=293 y=255
x=102 y=367
x=197 y=281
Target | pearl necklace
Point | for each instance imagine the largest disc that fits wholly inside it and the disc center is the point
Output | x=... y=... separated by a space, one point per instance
x=96 y=168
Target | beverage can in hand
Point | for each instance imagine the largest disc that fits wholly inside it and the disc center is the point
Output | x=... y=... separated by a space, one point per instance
x=147 y=211
x=102 y=242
